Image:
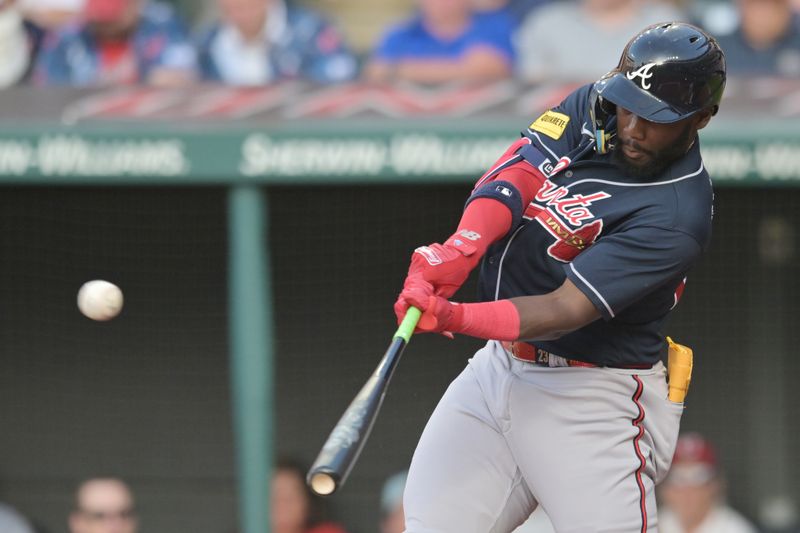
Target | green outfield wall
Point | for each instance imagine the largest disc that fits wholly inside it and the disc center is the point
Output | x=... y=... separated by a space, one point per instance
x=346 y=153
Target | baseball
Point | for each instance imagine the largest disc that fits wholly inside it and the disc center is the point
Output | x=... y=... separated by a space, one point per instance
x=100 y=300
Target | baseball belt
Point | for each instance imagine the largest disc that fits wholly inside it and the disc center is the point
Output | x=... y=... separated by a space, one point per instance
x=525 y=351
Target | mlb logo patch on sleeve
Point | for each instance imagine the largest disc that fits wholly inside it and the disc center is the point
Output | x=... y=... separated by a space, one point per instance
x=551 y=124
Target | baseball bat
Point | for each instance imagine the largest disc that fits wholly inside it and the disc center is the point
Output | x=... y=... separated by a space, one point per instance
x=344 y=445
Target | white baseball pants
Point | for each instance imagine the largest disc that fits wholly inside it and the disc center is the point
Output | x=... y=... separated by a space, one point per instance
x=588 y=444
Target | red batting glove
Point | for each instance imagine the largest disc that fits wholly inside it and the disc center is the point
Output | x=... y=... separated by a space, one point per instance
x=414 y=284
x=445 y=266
x=438 y=314
x=401 y=305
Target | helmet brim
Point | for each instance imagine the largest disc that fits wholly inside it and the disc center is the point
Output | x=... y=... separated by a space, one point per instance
x=621 y=91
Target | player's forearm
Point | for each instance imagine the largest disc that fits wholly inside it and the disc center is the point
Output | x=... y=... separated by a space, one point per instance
x=527 y=317
x=483 y=222
x=555 y=314
x=548 y=316
x=496 y=205
x=538 y=321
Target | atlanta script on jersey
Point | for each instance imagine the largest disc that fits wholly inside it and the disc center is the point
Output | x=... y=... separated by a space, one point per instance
x=627 y=243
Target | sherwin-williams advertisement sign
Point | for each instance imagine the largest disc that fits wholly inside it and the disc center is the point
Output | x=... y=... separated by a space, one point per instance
x=295 y=132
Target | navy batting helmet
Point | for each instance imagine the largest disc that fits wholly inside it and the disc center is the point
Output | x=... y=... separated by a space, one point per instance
x=667 y=72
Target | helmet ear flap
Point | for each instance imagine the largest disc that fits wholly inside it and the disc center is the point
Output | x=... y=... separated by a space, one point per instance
x=602 y=112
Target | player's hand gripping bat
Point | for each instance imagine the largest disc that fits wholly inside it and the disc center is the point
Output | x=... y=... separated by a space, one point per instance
x=341 y=450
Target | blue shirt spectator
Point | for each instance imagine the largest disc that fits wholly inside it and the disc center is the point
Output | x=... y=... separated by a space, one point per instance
x=445 y=41
x=261 y=41
x=120 y=42
x=412 y=39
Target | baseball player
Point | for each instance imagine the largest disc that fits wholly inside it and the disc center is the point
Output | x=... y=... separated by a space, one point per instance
x=587 y=227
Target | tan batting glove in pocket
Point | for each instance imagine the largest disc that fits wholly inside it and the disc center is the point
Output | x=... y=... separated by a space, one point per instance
x=679 y=370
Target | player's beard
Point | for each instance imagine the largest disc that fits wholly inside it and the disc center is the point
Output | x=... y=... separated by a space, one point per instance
x=657 y=161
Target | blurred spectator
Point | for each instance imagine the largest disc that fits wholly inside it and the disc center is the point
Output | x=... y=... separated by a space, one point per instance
x=51 y=14
x=103 y=505
x=16 y=44
x=295 y=509
x=13 y=522
x=446 y=41
x=393 y=518
x=120 y=42
x=778 y=514
x=766 y=40
x=261 y=41
x=716 y=17
x=693 y=493
x=572 y=40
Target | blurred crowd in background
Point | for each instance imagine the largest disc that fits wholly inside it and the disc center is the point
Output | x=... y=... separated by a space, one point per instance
x=106 y=504
x=257 y=42
x=692 y=499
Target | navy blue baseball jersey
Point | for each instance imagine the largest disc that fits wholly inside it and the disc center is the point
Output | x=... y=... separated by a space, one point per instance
x=626 y=243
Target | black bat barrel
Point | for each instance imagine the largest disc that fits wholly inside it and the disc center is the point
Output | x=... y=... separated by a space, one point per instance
x=344 y=445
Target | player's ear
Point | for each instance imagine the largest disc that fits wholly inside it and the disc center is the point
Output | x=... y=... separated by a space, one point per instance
x=703 y=117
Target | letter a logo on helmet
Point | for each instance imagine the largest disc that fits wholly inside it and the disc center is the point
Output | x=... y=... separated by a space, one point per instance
x=667 y=72
x=643 y=73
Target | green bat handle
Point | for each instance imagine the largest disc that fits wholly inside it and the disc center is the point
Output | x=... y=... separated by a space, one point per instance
x=408 y=324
